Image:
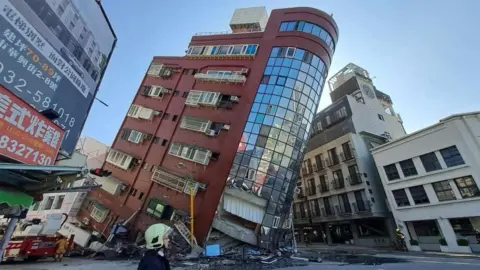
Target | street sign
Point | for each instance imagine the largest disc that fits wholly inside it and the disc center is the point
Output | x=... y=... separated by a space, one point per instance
x=25 y=134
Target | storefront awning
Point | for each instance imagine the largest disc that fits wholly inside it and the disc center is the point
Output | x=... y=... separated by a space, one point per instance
x=15 y=198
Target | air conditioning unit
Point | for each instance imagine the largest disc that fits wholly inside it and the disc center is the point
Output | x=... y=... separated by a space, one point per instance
x=234 y=98
x=166 y=73
x=210 y=132
x=156 y=92
x=226 y=127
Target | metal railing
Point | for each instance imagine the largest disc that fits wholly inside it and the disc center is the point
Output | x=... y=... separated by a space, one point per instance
x=361 y=206
x=234 y=78
x=338 y=183
x=355 y=179
x=229 y=32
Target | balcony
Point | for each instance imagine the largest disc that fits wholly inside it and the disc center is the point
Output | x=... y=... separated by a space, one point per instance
x=343 y=210
x=311 y=191
x=323 y=187
x=236 y=51
x=361 y=207
x=244 y=31
x=338 y=183
x=175 y=182
x=327 y=212
x=222 y=77
x=320 y=166
x=347 y=155
x=355 y=179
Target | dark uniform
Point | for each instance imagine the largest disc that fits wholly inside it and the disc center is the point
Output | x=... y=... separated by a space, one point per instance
x=152 y=260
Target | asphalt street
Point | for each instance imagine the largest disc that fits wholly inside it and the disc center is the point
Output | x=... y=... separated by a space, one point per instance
x=408 y=262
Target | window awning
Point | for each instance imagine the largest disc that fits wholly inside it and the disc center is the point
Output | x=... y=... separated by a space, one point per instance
x=15 y=198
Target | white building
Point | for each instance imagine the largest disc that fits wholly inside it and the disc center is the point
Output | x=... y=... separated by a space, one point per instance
x=90 y=153
x=431 y=178
x=341 y=192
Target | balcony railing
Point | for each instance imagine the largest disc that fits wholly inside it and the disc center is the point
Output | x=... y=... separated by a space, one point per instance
x=327 y=212
x=361 y=207
x=347 y=155
x=320 y=166
x=226 y=78
x=343 y=210
x=338 y=183
x=229 y=32
x=323 y=187
x=311 y=191
x=332 y=162
x=355 y=179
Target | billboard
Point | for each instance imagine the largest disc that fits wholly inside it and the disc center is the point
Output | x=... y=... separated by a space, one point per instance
x=53 y=54
x=27 y=136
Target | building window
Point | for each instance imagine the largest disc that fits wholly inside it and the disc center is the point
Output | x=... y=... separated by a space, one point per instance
x=156 y=140
x=392 y=172
x=408 y=168
x=400 y=197
x=467 y=187
x=430 y=162
x=164 y=142
x=141 y=195
x=444 y=191
x=166 y=116
x=49 y=203
x=176 y=93
x=174 y=118
x=187 y=152
x=185 y=95
x=155 y=208
x=99 y=212
x=452 y=156
x=59 y=202
x=419 y=195
x=381 y=117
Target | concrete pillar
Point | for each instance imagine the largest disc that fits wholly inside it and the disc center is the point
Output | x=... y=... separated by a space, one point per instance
x=390 y=225
x=329 y=234
x=354 y=229
x=449 y=235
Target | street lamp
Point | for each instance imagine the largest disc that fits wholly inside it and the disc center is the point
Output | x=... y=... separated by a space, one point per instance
x=180 y=165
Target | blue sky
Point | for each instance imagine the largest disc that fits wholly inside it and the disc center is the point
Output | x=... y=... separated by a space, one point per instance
x=424 y=54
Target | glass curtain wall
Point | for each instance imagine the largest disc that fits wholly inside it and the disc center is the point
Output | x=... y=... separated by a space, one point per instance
x=270 y=154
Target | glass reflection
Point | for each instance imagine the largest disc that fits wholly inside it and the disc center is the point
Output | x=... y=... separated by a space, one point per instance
x=271 y=150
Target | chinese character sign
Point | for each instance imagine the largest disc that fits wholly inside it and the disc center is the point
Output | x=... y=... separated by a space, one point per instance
x=53 y=55
x=25 y=134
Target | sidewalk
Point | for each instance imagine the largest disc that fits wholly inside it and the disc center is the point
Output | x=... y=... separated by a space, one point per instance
x=382 y=252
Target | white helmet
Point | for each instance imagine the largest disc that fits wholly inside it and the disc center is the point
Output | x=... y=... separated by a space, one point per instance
x=155 y=234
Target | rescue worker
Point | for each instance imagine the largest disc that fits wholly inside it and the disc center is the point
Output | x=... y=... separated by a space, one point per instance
x=401 y=240
x=157 y=241
x=61 y=245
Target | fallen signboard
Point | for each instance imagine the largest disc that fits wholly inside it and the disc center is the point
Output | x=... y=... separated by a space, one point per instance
x=26 y=135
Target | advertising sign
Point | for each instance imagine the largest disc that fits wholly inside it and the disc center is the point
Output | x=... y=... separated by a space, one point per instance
x=25 y=134
x=53 y=54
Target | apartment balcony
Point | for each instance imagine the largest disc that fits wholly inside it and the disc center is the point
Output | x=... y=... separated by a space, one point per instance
x=332 y=161
x=311 y=191
x=323 y=188
x=230 y=32
x=347 y=155
x=327 y=212
x=355 y=179
x=320 y=166
x=338 y=183
x=175 y=182
x=361 y=207
x=221 y=77
x=343 y=210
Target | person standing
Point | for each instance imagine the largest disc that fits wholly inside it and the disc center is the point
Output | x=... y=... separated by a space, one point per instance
x=157 y=241
x=61 y=246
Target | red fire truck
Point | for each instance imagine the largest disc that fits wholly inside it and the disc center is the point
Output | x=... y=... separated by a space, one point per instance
x=35 y=239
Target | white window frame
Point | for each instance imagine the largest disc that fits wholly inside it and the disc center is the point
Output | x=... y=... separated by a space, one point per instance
x=155 y=69
x=135 y=136
x=187 y=152
x=276 y=222
x=203 y=124
x=196 y=98
x=290 y=49
x=190 y=50
x=119 y=159
x=134 y=111
x=98 y=215
x=193 y=97
x=156 y=91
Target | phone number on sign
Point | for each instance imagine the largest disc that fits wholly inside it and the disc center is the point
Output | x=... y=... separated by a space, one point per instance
x=65 y=120
x=23 y=151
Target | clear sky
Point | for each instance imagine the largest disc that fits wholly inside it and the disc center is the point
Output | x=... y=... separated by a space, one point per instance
x=424 y=53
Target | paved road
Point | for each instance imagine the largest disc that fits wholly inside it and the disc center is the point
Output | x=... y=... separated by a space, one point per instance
x=417 y=262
